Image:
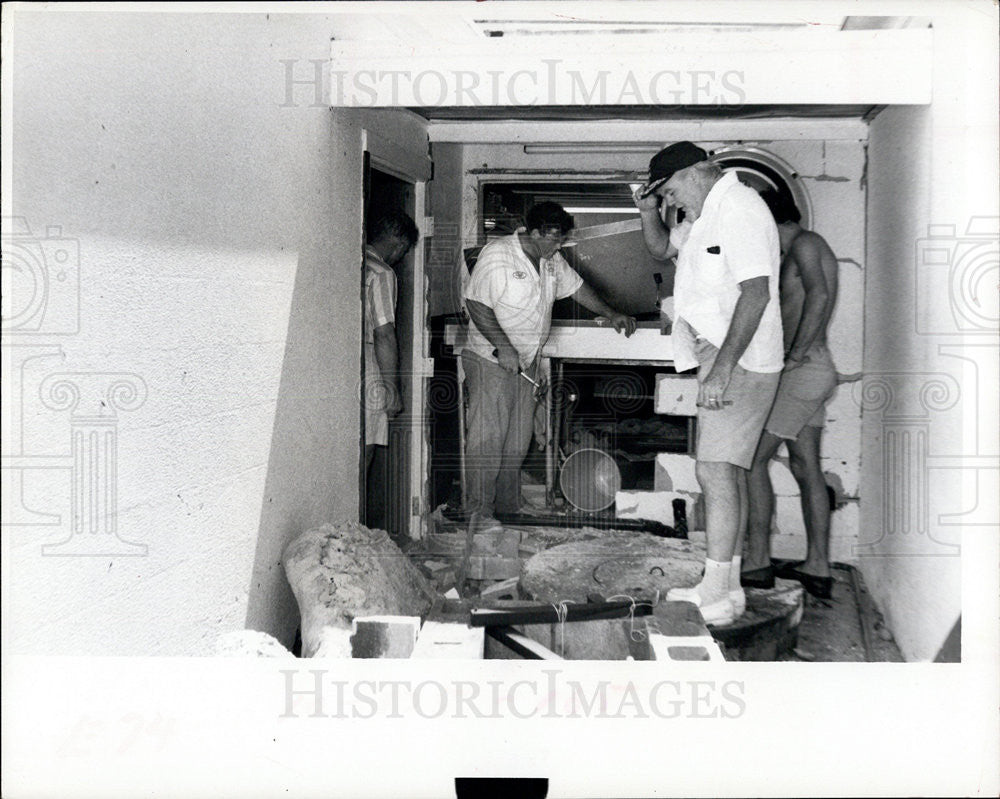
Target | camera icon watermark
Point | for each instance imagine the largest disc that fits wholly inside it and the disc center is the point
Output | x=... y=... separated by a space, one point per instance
x=40 y=280
x=957 y=279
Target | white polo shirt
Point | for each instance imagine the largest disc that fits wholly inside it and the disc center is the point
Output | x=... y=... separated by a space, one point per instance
x=733 y=240
x=505 y=280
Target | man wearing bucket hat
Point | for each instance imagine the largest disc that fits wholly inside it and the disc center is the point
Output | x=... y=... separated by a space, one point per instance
x=727 y=324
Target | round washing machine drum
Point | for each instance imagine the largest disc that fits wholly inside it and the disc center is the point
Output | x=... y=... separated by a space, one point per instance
x=762 y=170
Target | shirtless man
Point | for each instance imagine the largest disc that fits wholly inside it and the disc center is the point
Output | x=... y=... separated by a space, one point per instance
x=808 y=294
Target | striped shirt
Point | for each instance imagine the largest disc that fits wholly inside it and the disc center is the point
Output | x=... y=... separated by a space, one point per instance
x=521 y=297
x=380 y=294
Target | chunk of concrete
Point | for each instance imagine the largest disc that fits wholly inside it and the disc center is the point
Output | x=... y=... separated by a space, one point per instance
x=250 y=643
x=505 y=589
x=384 y=636
x=652 y=505
x=675 y=472
x=492 y=567
x=447 y=641
x=339 y=572
x=500 y=542
x=680 y=648
x=676 y=395
x=333 y=642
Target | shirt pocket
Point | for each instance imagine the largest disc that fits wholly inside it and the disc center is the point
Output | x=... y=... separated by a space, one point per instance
x=712 y=266
x=519 y=293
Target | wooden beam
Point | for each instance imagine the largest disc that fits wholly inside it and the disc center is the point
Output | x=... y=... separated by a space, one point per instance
x=524 y=646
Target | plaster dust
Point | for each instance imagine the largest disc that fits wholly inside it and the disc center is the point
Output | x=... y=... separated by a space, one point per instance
x=250 y=643
x=338 y=572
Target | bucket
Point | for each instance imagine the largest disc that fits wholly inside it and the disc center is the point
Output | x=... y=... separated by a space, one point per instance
x=590 y=479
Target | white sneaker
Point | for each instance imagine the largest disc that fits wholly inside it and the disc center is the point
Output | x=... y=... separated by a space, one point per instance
x=685 y=595
x=719 y=613
x=739 y=599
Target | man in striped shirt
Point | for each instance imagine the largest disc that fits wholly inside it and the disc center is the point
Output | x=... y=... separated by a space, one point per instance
x=392 y=235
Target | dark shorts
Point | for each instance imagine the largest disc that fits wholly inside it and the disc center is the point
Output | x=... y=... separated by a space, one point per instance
x=801 y=399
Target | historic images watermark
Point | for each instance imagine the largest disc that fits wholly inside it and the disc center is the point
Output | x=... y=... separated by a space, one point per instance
x=554 y=83
x=41 y=306
x=318 y=693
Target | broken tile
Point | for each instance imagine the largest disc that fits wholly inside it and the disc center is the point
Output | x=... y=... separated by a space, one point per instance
x=675 y=472
x=676 y=395
x=442 y=640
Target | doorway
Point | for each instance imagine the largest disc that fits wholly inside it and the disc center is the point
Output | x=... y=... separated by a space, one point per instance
x=386 y=481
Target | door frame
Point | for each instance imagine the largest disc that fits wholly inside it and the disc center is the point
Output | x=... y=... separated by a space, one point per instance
x=393 y=161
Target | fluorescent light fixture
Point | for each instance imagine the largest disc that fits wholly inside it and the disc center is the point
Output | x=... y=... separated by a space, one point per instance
x=569 y=148
x=603 y=210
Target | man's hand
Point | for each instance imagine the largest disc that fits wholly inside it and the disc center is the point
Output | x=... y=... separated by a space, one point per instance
x=794 y=360
x=623 y=322
x=712 y=391
x=541 y=389
x=648 y=203
x=393 y=400
x=508 y=359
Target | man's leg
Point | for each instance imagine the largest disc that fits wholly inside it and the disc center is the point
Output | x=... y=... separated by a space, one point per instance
x=487 y=421
x=727 y=440
x=761 y=504
x=377 y=487
x=515 y=448
x=804 y=457
x=720 y=484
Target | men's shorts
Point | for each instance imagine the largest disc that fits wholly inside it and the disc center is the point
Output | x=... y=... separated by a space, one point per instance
x=801 y=399
x=376 y=419
x=731 y=434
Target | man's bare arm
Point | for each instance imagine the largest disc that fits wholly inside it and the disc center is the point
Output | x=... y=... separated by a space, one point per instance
x=486 y=321
x=592 y=301
x=808 y=257
x=387 y=358
x=654 y=232
x=754 y=296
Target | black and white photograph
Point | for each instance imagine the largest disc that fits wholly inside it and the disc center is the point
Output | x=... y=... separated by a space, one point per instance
x=500 y=399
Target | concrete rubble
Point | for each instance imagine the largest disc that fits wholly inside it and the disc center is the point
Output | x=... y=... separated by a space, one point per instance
x=338 y=572
x=250 y=643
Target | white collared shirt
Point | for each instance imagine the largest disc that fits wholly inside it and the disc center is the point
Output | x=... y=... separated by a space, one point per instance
x=734 y=239
x=505 y=280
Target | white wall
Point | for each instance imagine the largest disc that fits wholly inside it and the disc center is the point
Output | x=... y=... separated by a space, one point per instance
x=217 y=230
x=931 y=354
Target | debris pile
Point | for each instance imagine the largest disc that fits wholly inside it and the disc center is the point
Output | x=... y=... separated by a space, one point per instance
x=338 y=572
